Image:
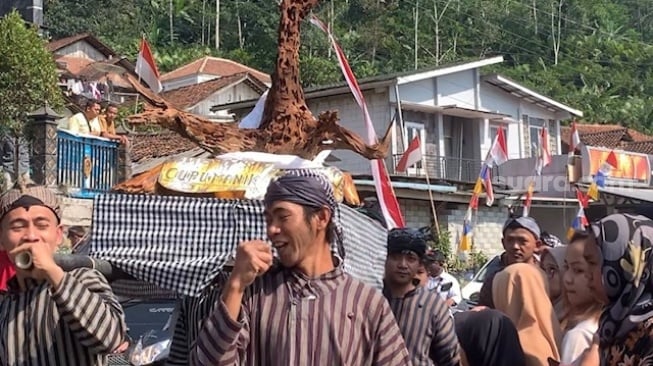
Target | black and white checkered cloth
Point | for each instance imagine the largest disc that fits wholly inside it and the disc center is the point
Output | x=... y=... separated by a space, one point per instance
x=180 y=243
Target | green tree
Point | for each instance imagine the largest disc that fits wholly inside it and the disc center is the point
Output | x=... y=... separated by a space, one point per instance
x=28 y=75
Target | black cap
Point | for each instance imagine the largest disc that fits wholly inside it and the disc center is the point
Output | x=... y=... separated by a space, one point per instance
x=406 y=239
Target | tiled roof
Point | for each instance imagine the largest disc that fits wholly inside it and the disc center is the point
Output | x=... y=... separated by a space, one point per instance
x=609 y=136
x=214 y=66
x=58 y=44
x=191 y=95
x=74 y=65
x=144 y=147
x=643 y=147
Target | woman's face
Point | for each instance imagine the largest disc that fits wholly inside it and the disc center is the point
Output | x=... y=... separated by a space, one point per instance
x=578 y=275
x=550 y=266
x=592 y=255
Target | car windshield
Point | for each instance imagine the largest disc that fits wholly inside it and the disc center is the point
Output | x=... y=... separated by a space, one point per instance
x=488 y=269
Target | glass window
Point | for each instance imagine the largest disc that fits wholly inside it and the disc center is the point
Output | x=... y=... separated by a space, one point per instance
x=535 y=129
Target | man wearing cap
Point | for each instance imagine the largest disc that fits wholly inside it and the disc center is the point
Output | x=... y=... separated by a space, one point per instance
x=423 y=317
x=440 y=281
x=48 y=316
x=521 y=242
x=305 y=310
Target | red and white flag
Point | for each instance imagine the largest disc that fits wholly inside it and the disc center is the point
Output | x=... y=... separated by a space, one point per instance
x=411 y=156
x=146 y=68
x=544 y=156
x=498 y=154
x=574 y=138
x=385 y=193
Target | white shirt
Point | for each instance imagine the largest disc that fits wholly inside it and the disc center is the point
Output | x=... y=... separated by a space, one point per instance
x=441 y=285
x=577 y=340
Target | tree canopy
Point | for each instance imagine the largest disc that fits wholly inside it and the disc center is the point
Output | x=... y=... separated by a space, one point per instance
x=594 y=55
x=28 y=75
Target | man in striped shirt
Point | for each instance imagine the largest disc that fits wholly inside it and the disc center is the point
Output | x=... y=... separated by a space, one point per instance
x=47 y=316
x=305 y=311
x=423 y=317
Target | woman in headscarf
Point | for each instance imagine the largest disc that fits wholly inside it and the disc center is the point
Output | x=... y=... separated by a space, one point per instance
x=488 y=337
x=626 y=255
x=520 y=292
x=553 y=264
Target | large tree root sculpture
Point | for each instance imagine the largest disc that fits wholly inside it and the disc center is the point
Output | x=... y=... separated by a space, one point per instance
x=287 y=127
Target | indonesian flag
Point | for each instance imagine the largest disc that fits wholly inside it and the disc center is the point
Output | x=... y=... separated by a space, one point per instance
x=411 y=156
x=146 y=68
x=499 y=152
x=574 y=138
x=7 y=270
x=544 y=156
x=384 y=192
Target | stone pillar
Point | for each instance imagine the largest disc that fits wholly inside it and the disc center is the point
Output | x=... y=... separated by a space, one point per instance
x=43 y=133
x=124 y=163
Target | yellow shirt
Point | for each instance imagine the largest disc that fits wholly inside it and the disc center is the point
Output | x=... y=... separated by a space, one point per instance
x=78 y=124
x=106 y=126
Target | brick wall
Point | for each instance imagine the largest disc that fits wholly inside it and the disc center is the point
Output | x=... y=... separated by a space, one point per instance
x=417 y=213
x=488 y=222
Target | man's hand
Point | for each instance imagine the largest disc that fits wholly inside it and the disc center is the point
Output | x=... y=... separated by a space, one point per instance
x=253 y=258
x=43 y=265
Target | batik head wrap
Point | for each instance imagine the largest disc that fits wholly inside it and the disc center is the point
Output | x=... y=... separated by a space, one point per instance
x=308 y=188
x=626 y=247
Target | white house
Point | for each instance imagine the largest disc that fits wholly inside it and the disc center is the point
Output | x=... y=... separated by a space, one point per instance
x=456 y=110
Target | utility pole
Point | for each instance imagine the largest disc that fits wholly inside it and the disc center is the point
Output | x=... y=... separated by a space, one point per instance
x=172 y=32
x=217 y=24
x=416 y=22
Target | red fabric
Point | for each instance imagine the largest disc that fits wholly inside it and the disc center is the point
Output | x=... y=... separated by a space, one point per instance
x=7 y=270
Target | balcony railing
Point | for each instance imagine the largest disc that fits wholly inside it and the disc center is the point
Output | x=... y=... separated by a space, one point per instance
x=86 y=165
x=445 y=167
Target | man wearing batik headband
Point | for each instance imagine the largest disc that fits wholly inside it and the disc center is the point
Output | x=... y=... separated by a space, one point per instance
x=306 y=310
x=422 y=315
x=50 y=317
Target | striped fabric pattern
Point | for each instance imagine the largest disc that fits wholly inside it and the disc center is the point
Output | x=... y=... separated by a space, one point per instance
x=192 y=313
x=78 y=324
x=288 y=319
x=427 y=327
x=180 y=243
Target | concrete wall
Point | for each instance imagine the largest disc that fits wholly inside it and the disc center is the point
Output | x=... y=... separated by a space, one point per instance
x=82 y=49
x=76 y=211
x=488 y=222
x=351 y=117
x=417 y=213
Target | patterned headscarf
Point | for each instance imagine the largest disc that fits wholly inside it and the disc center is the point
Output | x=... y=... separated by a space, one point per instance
x=626 y=246
x=309 y=188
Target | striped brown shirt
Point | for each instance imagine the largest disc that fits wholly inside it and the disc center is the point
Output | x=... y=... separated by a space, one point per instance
x=289 y=319
x=193 y=311
x=78 y=324
x=427 y=327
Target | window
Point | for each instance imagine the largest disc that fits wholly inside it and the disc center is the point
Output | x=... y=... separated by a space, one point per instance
x=535 y=129
x=412 y=130
x=494 y=130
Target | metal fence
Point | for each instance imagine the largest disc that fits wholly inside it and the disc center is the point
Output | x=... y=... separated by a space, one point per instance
x=86 y=165
x=445 y=167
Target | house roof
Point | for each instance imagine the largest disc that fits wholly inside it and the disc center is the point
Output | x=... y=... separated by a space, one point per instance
x=191 y=95
x=522 y=92
x=145 y=147
x=74 y=65
x=381 y=80
x=214 y=66
x=610 y=136
x=58 y=44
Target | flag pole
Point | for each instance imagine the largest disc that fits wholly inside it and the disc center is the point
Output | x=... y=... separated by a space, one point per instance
x=139 y=75
x=433 y=209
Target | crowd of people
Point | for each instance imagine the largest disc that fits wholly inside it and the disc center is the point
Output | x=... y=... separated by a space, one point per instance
x=586 y=303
